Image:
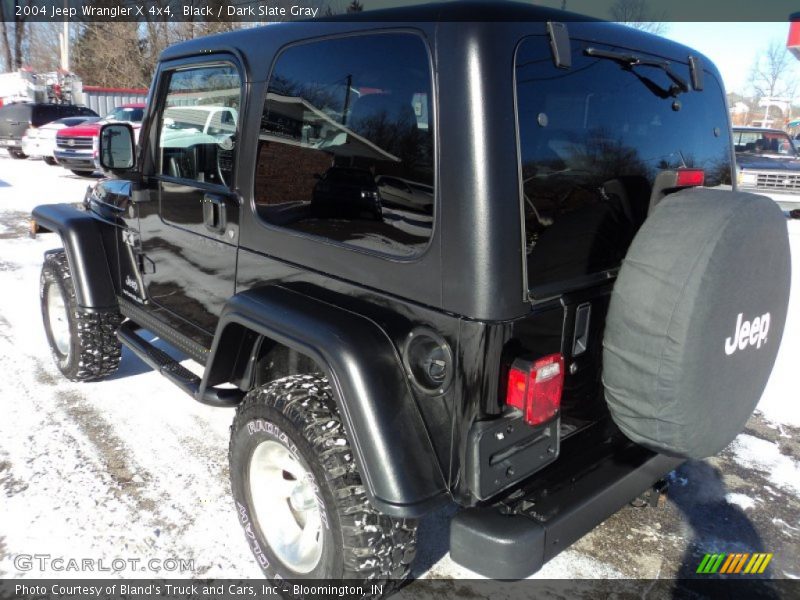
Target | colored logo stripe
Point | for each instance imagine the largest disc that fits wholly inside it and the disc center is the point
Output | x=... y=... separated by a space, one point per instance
x=734 y=562
x=710 y=563
x=758 y=563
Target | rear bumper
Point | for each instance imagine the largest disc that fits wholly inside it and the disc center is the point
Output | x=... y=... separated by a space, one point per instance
x=512 y=540
x=38 y=148
x=10 y=144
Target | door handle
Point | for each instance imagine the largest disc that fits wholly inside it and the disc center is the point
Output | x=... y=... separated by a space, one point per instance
x=215 y=212
x=580 y=339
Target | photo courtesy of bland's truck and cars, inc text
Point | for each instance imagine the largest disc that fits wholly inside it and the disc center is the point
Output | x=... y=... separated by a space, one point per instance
x=382 y=298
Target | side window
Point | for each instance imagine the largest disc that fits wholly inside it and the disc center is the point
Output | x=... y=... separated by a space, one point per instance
x=197 y=139
x=43 y=114
x=346 y=143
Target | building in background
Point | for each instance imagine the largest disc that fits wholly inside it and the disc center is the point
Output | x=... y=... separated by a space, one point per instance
x=103 y=100
x=62 y=87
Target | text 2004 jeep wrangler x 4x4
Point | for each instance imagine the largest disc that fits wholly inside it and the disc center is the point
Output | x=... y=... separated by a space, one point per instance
x=431 y=261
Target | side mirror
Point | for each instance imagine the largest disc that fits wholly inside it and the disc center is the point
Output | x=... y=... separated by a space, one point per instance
x=117 y=150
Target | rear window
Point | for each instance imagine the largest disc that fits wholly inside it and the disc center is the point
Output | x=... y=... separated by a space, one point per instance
x=16 y=112
x=592 y=140
x=45 y=113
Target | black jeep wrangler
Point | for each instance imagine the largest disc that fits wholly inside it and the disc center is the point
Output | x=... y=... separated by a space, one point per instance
x=484 y=254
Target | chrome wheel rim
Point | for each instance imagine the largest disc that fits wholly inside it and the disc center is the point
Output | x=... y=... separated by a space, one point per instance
x=59 y=319
x=286 y=506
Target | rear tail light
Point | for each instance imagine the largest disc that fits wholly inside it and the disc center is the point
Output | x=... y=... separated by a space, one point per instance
x=690 y=177
x=535 y=388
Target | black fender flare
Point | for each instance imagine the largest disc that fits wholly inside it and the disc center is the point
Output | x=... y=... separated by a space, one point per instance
x=83 y=242
x=398 y=465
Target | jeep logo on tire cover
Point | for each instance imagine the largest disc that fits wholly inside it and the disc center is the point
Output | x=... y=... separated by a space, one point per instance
x=749 y=333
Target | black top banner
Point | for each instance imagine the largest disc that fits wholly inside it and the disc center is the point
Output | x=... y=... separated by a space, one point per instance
x=265 y=11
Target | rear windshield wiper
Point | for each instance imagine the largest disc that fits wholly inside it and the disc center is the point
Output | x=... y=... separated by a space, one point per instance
x=631 y=60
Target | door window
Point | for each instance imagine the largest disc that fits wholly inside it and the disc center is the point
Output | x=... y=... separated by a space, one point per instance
x=197 y=136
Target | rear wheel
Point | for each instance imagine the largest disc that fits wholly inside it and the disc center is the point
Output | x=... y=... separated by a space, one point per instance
x=84 y=345
x=18 y=154
x=49 y=160
x=81 y=173
x=299 y=494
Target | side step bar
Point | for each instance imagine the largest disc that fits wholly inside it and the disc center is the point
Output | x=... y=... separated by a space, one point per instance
x=160 y=361
x=513 y=539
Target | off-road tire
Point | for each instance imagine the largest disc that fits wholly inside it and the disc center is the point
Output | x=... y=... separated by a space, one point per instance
x=361 y=544
x=94 y=350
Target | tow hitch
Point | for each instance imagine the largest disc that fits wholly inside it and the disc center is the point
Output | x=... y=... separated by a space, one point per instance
x=655 y=497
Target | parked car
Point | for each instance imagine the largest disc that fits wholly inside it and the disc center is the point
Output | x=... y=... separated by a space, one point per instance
x=583 y=312
x=18 y=118
x=76 y=147
x=40 y=142
x=417 y=197
x=343 y=192
x=768 y=162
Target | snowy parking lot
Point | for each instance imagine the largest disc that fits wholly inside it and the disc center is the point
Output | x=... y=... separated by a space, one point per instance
x=133 y=468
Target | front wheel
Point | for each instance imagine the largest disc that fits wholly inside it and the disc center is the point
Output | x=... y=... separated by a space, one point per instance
x=18 y=154
x=84 y=344
x=49 y=160
x=82 y=173
x=299 y=494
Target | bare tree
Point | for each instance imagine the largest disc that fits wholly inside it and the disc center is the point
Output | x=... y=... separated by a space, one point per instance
x=126 y=54
x=771 y=74
x=637 y=14
x=111 y=54
x=13 y=33
x=43 y=42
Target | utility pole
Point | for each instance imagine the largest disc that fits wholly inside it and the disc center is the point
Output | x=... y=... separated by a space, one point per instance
x=64 y=39
x=348 y=85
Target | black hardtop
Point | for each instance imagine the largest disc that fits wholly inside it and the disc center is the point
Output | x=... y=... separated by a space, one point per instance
x=475 y=248
x=495 y=16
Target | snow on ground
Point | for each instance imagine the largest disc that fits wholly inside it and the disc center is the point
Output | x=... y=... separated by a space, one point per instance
x=133 y=468
x=741 y=500
x=779 y=403
x=754 y=453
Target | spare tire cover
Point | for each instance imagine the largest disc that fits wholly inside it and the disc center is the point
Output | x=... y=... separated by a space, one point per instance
x=695 y=320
